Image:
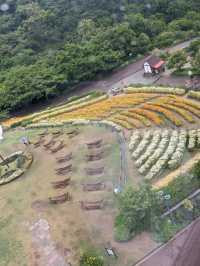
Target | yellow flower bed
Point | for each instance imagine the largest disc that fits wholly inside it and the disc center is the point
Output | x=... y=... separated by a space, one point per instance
x=187 y=108
x=121 y=123
x=182 y=103
x=107 y=107
x=180 y=111
x=134 y=123
x=186 y=101
x=70 y=109
x=166 y=113
x=48 y=111
x=137 y=107
x=152 y=116
x=141 y=118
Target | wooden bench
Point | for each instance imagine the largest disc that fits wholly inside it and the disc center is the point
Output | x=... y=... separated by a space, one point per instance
x=73 y=133
x=94 y=187
x=64 y=170
x=94 y=157
x=59 y=147
x=65 y=158
x=39 y=142
x=62 y=183
x=91 y=205
x=60 y=199
x=50 y=143
x=94 y=144
x=94 y=171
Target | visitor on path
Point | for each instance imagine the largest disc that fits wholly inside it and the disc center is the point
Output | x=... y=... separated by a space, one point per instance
x=25 y=140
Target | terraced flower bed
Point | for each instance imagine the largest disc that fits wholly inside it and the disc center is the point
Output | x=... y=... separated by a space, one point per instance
x=141 y=107
x=135 y=108
x=155 y=151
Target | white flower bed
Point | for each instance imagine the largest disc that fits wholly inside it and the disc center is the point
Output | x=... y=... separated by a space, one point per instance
x=192 y=136
x=177 y=156
x=194 y=95
x=142 y=145
x=157 y=153
x=155 y=90
x=150 y=149
x=135 y=138
x=44 y=124
x=162 y=161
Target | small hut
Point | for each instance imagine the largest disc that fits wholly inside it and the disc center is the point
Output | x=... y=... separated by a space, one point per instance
x=154 y=65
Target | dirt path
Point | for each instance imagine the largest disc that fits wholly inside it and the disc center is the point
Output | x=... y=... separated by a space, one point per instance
x=182 y=169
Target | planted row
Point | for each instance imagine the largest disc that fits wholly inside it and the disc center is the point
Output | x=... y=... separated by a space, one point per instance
x=155 y=90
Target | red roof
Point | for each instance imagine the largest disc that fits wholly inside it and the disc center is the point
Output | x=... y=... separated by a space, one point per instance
x=155 y=62
x=159 y=64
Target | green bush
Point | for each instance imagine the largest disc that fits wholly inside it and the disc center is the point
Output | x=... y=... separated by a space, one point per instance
x=91 y=258
x=181 y=187
x=122 y=233
x=4 y=115
x=137 y=209
x=166 y=229
x=196 y=170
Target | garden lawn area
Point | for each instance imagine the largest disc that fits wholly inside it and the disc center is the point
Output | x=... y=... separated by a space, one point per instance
x=25 y=201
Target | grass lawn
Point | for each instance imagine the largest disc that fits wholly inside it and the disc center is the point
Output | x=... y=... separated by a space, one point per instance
x=24 y=201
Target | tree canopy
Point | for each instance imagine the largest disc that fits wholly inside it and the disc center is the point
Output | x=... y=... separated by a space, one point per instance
x=48 y=46
x=137 y=210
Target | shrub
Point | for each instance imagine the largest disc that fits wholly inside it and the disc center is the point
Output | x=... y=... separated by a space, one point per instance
x=4 y=115
x=121 y=232
x=196 y=170
x=181 y=187
x=91 y=258
x=165 y=229
x=137 y=209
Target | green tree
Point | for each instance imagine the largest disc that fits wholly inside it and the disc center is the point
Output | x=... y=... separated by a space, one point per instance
x=164 y=39
x=196 y=170
x=86 y=29
x=177 y=60
x=143 y=43
x=194 y=47
x=137 y=209
x=196 y=62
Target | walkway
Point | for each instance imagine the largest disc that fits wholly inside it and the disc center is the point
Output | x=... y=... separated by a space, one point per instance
x=182 y=250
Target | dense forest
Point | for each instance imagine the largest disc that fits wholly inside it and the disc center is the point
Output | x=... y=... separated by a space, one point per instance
x=48 y=46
